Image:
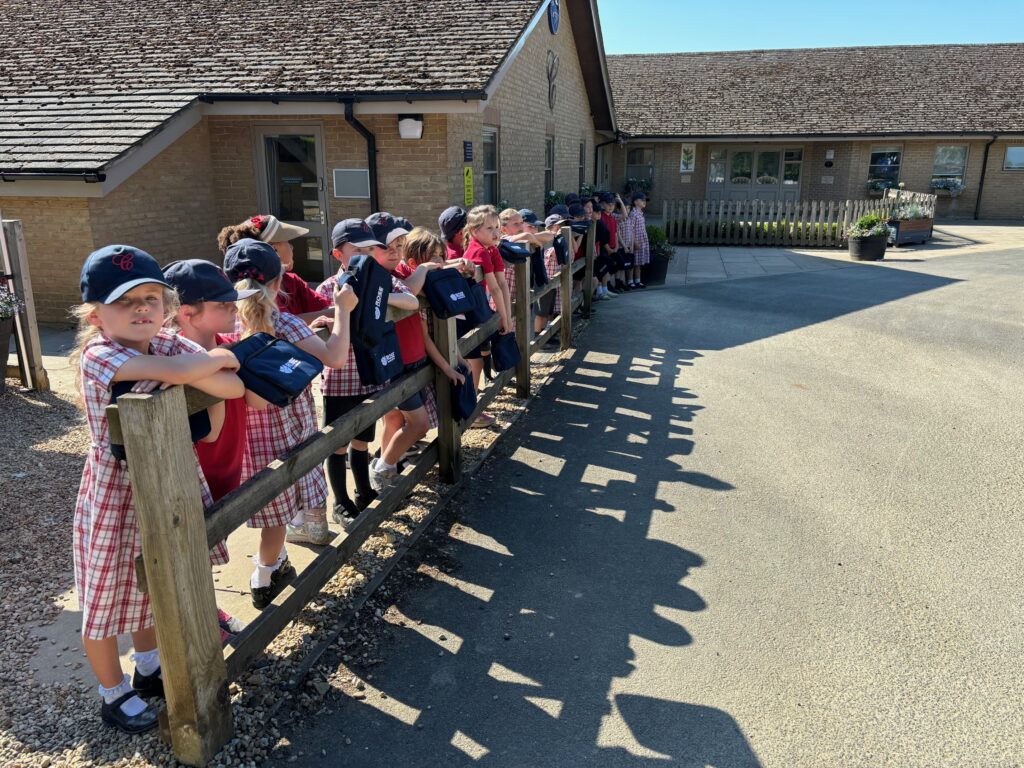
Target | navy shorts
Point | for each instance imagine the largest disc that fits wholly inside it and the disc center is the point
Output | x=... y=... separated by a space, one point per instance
x=415 y=400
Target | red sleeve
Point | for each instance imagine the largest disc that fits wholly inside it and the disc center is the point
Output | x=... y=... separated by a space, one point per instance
x=477 y=254
x=496 y=260
x=301 y=298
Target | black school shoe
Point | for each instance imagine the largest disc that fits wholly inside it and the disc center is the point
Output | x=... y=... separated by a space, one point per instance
x=362 y=502
x=264 y=596
x=112 y=714
x=148 y=686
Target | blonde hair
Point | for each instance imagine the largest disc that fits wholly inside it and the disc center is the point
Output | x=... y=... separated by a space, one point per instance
x=507 y=215
x=476 y=219
x=422 y=245
x=87 y=332
x=256 y=313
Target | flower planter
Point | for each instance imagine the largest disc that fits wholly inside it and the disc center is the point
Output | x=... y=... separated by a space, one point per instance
x=655 y=272
x=6 y=329
x=870 y=248
x=911 y=231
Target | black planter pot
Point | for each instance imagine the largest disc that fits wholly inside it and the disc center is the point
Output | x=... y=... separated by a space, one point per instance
x=870 y=248
x=654 y=273
x=6 y=329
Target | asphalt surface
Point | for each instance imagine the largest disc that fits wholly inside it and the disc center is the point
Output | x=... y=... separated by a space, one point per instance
x=770 y=521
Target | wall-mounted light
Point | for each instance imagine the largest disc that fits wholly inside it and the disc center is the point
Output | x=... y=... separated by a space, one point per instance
x=410 y=126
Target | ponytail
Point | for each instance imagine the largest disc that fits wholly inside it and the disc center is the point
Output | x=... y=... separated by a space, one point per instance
x=257 y=313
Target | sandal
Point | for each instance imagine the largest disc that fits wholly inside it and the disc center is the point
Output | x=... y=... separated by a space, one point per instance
x=483 y=421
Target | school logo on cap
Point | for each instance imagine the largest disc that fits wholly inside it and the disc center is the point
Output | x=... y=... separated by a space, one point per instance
x=124 y=261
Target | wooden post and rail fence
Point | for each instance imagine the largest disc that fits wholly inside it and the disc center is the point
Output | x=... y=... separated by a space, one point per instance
x=177 y=533
x=809 y=223
x=14 y=276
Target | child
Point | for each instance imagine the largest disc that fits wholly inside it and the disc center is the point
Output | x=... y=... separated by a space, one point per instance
x=548 y=307
x=295 y=297
x=342 y=389
x=409 y=422
x=253 y=264
x=612 y=213
x=633 y=234
x=206 y=316
x=125 y=301
x=604 y=262
x=452 y=221
x=481 y=236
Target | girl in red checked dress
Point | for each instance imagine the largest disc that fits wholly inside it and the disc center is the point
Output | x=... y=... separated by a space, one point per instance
x=125 y=303
x=633 y=236
x=254 y=265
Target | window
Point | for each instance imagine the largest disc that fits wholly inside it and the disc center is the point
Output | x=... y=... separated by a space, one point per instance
x=768 y=167
x=1014 y=159
x=583 y=164
x=640 y=163
x=950 y=162
x=792 y=160
x=716 y=167
x=549 y=164
x=740 y=167
x=490 y=190
x=884 y=167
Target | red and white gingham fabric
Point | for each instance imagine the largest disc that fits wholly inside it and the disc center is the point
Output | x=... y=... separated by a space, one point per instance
x=554 y=269
x=272 y=431
x=106 y=532
x=636 y=236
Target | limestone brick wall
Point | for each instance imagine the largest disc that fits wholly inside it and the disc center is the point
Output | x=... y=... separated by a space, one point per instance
x=1003 y=197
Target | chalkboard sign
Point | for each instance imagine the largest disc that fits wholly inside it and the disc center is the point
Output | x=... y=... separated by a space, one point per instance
x=467 y=151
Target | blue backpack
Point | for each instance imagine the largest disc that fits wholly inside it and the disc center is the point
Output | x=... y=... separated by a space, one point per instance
x=372 y=284
x=504 y=351
x=463 y=396
x=447 y=293
x=381 y=362
x=275 y=369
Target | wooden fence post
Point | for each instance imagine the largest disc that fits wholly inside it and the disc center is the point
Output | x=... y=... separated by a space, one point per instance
x=565 y=278
x=524 y=327
x=14 y=262
x=589 y=241
x=449 y=435
x=169 y=508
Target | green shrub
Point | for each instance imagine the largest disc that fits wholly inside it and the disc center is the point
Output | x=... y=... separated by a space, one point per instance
x=661 y=250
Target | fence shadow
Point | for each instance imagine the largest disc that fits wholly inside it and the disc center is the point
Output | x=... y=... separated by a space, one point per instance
x=551 y=576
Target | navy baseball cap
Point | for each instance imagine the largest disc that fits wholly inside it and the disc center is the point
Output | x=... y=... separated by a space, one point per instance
x=576 y=210
x=571 y=198
x=197 y=280
x=554 y=218
x=250 y=259
x=452 y=221
x=385 y=227
x=109 y=273
x=529 y=216
x=638 y=196
x=561 y=210
x=607 y=197
x=355 y=231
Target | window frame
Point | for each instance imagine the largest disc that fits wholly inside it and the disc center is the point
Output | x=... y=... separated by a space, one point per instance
x=649 y=172
x=891 y=149
x=492 y=130
x=583 y=164
x=1006 y=155
x=962 y=176
x=549 y=164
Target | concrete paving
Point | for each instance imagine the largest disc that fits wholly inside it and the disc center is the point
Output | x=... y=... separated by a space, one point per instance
x=764 y=521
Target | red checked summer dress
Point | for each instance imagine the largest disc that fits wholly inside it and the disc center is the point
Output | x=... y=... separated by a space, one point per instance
x=106 y=532
x=273 y=431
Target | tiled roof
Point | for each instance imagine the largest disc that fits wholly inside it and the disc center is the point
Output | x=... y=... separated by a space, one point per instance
x=878 y=90
x=81 y=81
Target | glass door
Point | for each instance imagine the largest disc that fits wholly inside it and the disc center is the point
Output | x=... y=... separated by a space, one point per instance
x=293 y=189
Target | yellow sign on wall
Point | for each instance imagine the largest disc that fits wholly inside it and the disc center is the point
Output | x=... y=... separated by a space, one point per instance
x=467 y=186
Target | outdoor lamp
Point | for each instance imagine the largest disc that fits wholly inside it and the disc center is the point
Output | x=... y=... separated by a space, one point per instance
x=410 y=126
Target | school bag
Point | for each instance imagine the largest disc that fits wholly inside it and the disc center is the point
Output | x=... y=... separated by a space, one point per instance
x=381 y=362
x=481 y=310
x=538 y=272
x=372 y=284
x=275 y=369
x=514 y=253
x=561 y=250
x=463 y=395
x=627 y=260
x=504 y=351
x=447 y=293
x=198 y=423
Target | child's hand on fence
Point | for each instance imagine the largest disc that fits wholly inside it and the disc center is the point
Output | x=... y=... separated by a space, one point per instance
x=454 y=376
x=345 y=297
x=226 y=358
x=148 y=385
x=324 y=321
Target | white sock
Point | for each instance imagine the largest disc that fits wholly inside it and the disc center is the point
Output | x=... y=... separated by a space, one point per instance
x=281 y=557
x=299 y=519
x=147 y=662
x=132 y=706
x=383 y=466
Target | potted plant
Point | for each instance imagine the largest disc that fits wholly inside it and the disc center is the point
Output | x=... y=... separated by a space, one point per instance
x=910 y=223
x=551 y=199
x=878 y=187
x=952 y=186
x=638 y=184
x=867 y=238
x=662 y=253
x=10 y=305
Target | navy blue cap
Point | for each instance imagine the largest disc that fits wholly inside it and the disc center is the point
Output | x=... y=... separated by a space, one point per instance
x=112 y=271
x=355 y=231
x=452 y=221
x=529 y=216
x=571 y=198
x=554 y=218
x=576 y=210
x=197 y=280
x=561 y=210
x=638 y=196
x=250 y=259
x=385 y=227
x=607 y=197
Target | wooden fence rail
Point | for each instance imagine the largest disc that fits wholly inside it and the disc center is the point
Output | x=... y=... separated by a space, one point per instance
x=177 y=533
x=808 y=223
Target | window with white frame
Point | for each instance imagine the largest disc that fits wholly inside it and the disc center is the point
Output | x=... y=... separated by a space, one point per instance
x=640 y=163
x=884 y=167
x=491 y=164
x=950 y=164
x=716 y=166
x=1013 y=160
x=792 y=160
x=549 y=164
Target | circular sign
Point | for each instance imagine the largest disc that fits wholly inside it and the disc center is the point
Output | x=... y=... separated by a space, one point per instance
x=554 y=13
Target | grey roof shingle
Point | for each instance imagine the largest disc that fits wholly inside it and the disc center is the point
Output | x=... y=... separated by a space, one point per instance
x=868 y=90
x=81 y=81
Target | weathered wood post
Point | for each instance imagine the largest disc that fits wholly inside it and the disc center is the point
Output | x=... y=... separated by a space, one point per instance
x=15 y=264
x=449 y=436
x=589 y=241
x=565 y=280
x=524 y=327
x=169 y=508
